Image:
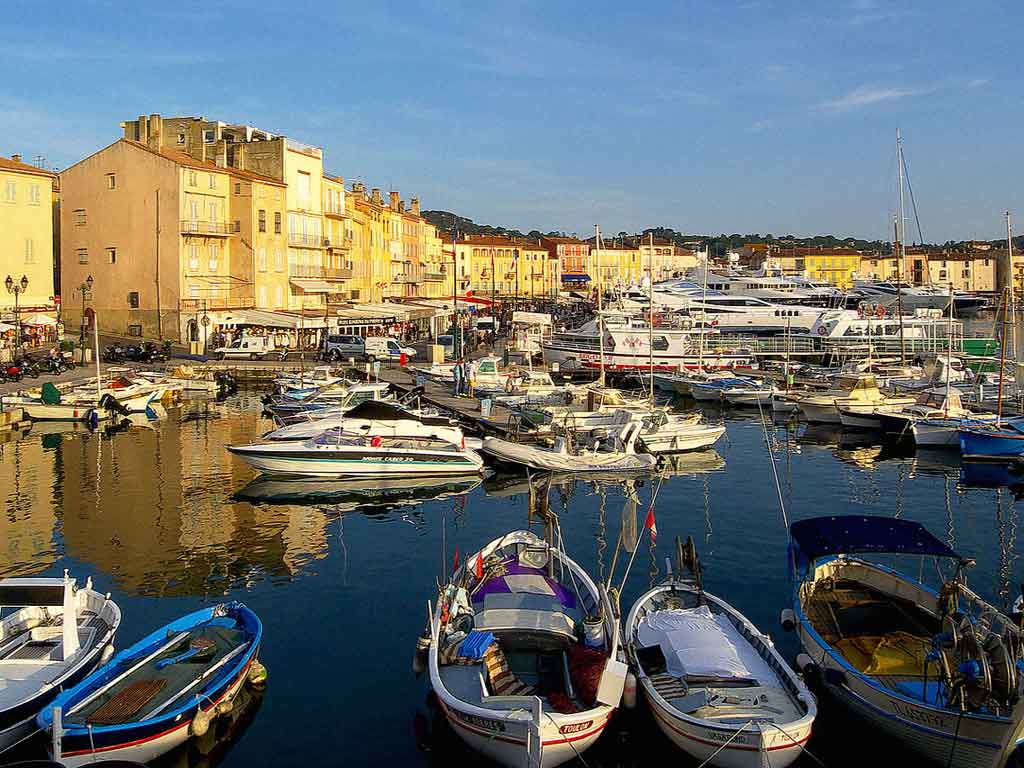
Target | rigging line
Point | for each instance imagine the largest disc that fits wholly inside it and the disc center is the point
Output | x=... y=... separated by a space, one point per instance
x=913 y=202
x=732 y=738
x=803 y=749
x=775 y=469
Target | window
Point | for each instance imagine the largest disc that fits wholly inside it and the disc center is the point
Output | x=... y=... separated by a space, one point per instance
x=111 y=181
x=277 y=222
x=262 y=293
x=181 y=138
x=135 y=329
x=278 y=260
x=213 y=181
x=30 y=251
x=133 y=299
x=208 y=137
x=305 y=187
x=261 y=260
x=238 y=226
x=33 y=194
x=214 y=249
x=193 y=257
x=192 y=178
x=83 y=256
x=238 y=188
x=112 y=255
x=263 y=220
x=279 y=296
x=11 y=194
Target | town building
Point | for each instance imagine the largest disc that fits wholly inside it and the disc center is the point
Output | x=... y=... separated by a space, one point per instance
x=617 y=265
x=27 y=195
x=503 y=267
x=573 y=257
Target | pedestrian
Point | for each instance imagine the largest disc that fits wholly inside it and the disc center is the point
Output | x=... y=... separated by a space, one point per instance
x=471 y=368
x=457 y=373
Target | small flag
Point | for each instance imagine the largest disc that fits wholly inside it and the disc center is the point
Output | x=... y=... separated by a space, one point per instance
x=480 y=564
x=651 y=525
x=455 y=565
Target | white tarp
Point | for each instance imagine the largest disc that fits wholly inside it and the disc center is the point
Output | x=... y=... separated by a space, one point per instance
x=697 y=642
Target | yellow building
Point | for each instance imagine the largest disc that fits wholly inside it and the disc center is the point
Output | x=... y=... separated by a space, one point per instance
x=837 y=266
x=434 y=286
x=337 y=271
x=258 y=245
x=505 y=266
x=617 y=266
x=26 y=236
x=372 y=257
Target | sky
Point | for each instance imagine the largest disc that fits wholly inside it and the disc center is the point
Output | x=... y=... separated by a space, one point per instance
x=708 y=116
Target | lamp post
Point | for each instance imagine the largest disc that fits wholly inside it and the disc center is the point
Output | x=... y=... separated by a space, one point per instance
x=84 y=288
x=17 y=288
x=494 y=307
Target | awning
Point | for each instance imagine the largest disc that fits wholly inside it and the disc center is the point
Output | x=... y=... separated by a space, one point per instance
x=266 y=319
x=312 y=286
x=567 y=278
x=38 y=319
x=858 y=534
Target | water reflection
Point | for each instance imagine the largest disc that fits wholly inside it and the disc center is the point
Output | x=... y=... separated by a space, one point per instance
x=211 y=749
x=351 y=495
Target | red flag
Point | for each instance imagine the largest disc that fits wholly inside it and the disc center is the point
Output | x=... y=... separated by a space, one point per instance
x=480 y=564
x=455 y=565
x=651 y=525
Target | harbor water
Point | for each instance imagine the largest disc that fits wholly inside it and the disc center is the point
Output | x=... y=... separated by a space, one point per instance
x=161 y=516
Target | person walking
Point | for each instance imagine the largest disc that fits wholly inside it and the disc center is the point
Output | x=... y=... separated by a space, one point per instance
x=471 y=368
x=457 y=373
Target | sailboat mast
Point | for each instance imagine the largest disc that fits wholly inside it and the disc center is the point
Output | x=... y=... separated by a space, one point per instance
x=650 y=309
x=600 y=318
x=901 y=231
x=1002 y=358
x=949 y=349
x=1013 y=298
x=703 y=312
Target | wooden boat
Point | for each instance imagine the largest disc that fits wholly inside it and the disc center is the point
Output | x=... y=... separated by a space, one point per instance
x=935 y=669
x=613 y=452
x=156 y=694
x=54 y=635
x=1003 y=439
x=716 y=686
x=524 y=654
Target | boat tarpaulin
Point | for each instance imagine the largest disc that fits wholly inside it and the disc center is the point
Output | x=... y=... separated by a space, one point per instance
x=858 y=534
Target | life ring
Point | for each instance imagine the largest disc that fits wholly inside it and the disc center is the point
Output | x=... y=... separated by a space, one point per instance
x=821 y=330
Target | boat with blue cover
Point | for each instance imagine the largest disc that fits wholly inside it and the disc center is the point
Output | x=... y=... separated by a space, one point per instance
x=938 y=669
x=156 y=694
x=1002 y=439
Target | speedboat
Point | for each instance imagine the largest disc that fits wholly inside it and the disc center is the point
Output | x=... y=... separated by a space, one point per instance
x=156 y=694
x=54 y=635
x=403 y=448
x=611 y=450
x=523 y=654
x=858 y=393
x=356 y=418
x=338 y=396
x=936 y=669
x=715 y=684
x=933 y=420
x=752 y=394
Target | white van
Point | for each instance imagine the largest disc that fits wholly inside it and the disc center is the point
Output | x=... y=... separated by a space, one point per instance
x=253 y=347
x=383 y=347
x=490 y=324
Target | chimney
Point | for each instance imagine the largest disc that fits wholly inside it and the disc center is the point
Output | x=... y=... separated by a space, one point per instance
x=156 y=130
x=16 y=158
x=375 y=196
x=414 y=206
x=358 y=188
x=395 y=200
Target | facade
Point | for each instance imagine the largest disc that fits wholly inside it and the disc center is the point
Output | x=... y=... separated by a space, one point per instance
x=972 y=270
x=617 y=265
x=573 y=257
x=509 y=267
x=27 y=236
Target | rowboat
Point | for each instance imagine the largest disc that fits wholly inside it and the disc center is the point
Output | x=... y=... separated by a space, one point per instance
x=55 y=635
x=518 y=603
x=936 y=669
x=158 y=693
x=1003 y=439
x=716 y=686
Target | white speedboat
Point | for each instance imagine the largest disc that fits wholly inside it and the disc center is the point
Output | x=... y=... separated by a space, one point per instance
x=715 y=684
x=936 y=669
x=54 y=635
x=753 y=394
x=514 y=674
x=858 y=393
x=365 y=415
x=408 y=448
x=934 y=419
x=613 y=451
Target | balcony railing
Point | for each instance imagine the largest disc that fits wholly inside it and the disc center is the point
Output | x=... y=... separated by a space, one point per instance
x=311 y=241
x=200 y=227
x=433 y=276
x=326 y=273
x=217 y=302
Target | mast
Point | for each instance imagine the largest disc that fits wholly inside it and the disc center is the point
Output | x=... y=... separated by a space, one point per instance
x=1002 y=358
x=600 y=318
x=949 y=349
x=704 y=313
x=650 y=309
x=1013 y=298
x=901 y=231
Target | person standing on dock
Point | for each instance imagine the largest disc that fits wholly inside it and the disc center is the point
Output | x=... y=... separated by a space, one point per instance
x=457 y=373
x=471 y=368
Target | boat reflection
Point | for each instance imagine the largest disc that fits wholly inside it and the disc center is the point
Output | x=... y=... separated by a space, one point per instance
x=354 y=494
x=210 y=750
x=989 y=474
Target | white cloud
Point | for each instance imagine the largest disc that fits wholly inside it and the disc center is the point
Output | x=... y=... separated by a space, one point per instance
x=866 y=96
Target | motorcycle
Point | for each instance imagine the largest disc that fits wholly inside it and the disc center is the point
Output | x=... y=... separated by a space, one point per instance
x=114 y=353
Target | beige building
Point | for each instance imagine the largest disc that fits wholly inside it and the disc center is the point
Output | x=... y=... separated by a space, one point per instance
x=26 y=237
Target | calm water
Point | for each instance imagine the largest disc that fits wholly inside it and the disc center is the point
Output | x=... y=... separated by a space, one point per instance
x=166 y=520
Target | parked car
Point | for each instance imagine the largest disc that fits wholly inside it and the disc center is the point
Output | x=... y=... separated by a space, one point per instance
x=343 y=347
x=490 y=324
x=253 y=347
x=383 y=347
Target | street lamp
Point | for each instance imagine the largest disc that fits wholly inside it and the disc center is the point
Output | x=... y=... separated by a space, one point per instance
x=84 y=288
x=17 y=288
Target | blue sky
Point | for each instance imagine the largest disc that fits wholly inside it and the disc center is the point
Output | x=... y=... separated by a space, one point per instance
x=707 y=116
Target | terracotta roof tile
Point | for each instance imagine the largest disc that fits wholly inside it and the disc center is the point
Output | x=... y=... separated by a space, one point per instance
x=11 y=165
x=186 y=160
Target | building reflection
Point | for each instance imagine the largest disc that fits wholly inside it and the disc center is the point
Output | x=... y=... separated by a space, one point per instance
x=29 y=478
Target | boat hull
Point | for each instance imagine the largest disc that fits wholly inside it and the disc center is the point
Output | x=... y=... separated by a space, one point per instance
x=984 y=443
x=359 y=463
x=552 y=461
x=680 y=441
x=820 y=412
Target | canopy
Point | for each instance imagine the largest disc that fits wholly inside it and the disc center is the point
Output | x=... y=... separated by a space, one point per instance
x=570 y=278
x=4 y=327
x=38 y=319
x=853 y=534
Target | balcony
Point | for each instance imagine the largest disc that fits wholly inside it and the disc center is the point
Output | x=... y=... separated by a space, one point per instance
x=403 y=278
x=217 y=302
x=200 y=227
x=338 y=245
x=307 y=240
x=433 y=276
x=321 y=273
x=336 y=213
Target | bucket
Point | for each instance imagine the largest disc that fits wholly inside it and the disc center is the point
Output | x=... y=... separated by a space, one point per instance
x=593 y=632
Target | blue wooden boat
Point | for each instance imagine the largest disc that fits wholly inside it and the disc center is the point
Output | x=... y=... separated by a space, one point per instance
x=1005 y=439
x=158 y=693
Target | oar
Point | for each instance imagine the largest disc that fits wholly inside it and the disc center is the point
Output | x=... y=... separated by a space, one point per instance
x=199 y=648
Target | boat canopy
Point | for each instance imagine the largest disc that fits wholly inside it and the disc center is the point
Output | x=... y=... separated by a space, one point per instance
x=855 y=534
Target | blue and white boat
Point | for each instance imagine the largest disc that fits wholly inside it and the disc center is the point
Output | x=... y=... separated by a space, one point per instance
x=938 y=670
x=1003 y=439
x=158 y=693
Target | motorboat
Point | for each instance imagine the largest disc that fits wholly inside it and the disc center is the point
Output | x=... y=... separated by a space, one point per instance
x=933 y=420
x=858 y=393
x=661 y=432
x=912 y=297
x=523 y=654
x=338 y=396
x=712 y=389
x=53 y=634
x=715 y=684
x=358 y=417
x=159 y=692
x=402 y=448
x=936 y=669
x=609 y=450
x=754 y=394
x=871 y=420
x=50 y=404
x=527 y=388
x=303 y=384
x=194 y=378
